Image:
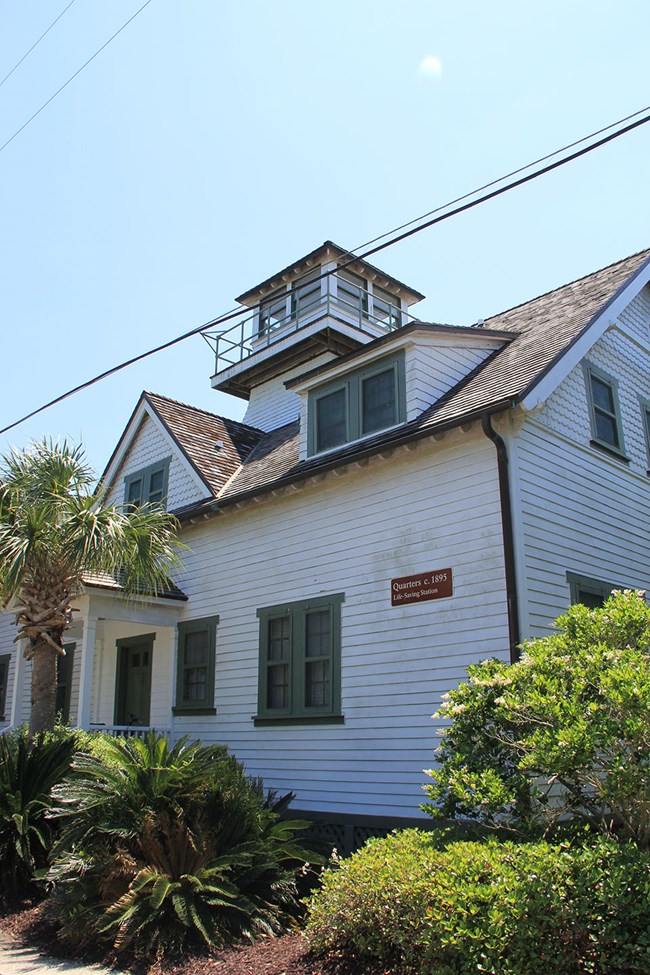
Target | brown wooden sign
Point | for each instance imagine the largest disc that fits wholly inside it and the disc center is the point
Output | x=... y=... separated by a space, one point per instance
x=426 y=585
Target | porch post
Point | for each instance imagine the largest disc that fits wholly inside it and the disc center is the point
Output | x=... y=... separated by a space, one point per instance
x=172 y=716
x=86 y=674
x=18 y=690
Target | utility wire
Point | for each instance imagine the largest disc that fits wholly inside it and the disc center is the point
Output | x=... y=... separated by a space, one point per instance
x=495 y=182
x=35 y=44
x=237 y=312
x=72 y=77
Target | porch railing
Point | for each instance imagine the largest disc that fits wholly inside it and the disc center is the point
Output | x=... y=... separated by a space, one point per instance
x=129 y=730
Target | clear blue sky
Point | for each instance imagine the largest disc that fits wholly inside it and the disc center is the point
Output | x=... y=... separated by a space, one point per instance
x=213 y=143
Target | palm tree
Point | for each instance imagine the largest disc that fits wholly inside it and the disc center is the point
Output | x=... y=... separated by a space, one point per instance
x=53 y=532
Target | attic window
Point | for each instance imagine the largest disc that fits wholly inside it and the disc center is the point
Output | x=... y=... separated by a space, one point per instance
x=358 y=404
x=147 y=486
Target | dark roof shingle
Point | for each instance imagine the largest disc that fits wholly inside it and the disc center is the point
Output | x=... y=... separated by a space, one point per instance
x=196 y=432
x=545 y=328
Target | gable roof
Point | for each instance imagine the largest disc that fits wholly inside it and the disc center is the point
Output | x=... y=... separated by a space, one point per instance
x=544 y=330
x=196 y=432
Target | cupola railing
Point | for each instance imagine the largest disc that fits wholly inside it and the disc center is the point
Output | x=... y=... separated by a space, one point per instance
x=300 y=305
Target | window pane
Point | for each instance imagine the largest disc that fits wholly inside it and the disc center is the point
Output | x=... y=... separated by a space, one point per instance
x=378 y=401
x=591 y=599
x=277 y=687
x=331 y=420
x=385 y=307
x=273 y=310
x=317 y=684
x=606 y=428
x=602 y=395
x=156 y=484
x=318 y=634
x=196 y=648
x=279 y=639
x=305 y=293
x=134 y=495
x=351 y=289
x=195 y=680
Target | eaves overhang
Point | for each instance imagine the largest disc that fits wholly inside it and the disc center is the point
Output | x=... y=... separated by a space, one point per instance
x=328 y=248
x=408 y=433
x=401 y=336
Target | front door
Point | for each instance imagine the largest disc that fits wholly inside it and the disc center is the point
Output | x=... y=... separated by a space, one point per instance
x=133 y=684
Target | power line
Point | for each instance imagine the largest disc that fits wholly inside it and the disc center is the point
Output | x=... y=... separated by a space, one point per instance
x=72 y=77
x=237 y=312
x=35 y=44
x=495 y=182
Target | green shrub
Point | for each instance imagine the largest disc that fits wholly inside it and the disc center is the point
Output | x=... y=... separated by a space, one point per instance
x=565 y=731
x=417 y=906
x=161 y=847
x=28 y=770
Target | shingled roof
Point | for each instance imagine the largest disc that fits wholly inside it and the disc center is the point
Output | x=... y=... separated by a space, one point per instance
x=544 y=329
x=196 y=433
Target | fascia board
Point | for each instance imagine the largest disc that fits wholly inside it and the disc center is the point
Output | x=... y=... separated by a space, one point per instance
x=592 y=332
x=142 y=411
x=415 y=337
x=178 y=450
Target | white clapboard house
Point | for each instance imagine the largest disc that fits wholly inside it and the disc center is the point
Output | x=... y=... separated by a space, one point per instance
x=402 y=499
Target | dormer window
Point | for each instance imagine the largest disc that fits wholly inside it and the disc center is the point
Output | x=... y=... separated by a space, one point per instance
x=363 y=402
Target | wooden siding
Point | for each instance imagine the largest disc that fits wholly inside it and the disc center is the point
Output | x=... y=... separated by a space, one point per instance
x=582 y=510
x=425 y=508
x=637 y=315
x=432 y=370
x=149 y=446
x=271 y=405
x=7 y=634
x=105 y=670
x=567 y=412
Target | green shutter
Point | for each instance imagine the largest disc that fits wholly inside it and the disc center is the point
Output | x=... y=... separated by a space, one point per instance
x=300 y=644
x=195 y=666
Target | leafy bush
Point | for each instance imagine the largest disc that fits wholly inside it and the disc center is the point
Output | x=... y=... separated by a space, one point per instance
x=28 y=770
x=417 y=906
x=164 y=846
x=565 y=731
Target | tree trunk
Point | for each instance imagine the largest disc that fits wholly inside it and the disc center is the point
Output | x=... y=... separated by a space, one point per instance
x=42 y=714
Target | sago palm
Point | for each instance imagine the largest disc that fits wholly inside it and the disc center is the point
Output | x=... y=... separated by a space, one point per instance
x=53 y=532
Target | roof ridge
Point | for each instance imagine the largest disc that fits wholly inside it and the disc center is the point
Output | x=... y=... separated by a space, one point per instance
x=199 y=409
x=568 y=284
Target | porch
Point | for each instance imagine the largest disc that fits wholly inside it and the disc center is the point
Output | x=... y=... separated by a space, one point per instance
x=118 y=671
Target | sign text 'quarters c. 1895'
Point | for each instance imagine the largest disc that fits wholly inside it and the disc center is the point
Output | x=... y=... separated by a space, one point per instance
x=436 y=584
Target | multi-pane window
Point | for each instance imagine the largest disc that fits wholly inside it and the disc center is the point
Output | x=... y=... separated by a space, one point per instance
x=604 y=409
x=363 y=402
x=273 y=310
x=589 y=592
x=148 y=486
x=300 y=645
x=196 y=666
x=385 y=307
x=352 y=290
x=5 y=659
x=305 y=293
